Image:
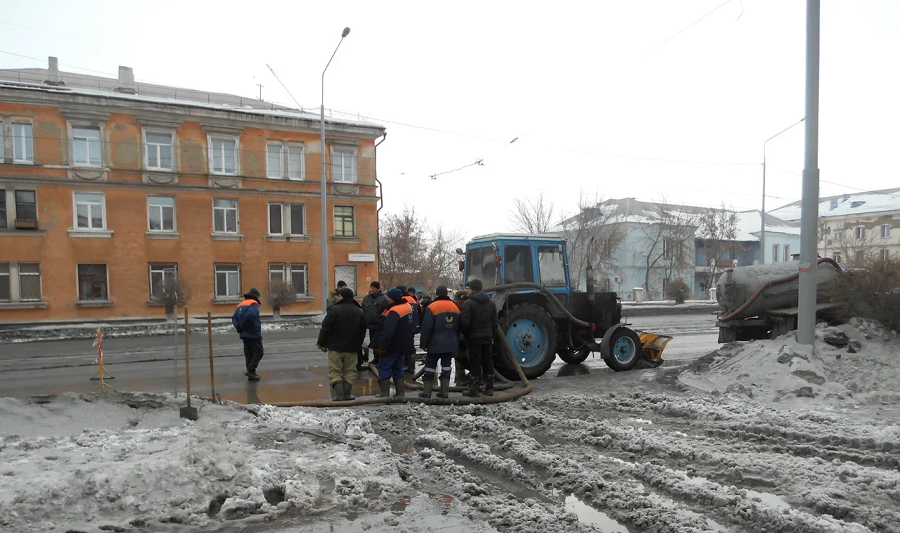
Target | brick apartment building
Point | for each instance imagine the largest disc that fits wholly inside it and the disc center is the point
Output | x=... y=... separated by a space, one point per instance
x=108 y=188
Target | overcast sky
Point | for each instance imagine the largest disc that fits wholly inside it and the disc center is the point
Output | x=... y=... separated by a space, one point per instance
x=600 y=95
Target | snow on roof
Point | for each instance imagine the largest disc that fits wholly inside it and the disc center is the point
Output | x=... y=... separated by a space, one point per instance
x=530 y=236
x=748 y=226
x=847 y=205
x=247 y=109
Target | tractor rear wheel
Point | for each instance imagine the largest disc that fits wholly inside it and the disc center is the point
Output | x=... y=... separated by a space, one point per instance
x=532 y=335
x=625 y=350
x=572 y=356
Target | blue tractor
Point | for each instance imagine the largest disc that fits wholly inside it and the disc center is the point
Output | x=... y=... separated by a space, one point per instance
x=542 y=316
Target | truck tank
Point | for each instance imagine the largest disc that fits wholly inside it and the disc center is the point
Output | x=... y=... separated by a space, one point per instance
x=737 y=285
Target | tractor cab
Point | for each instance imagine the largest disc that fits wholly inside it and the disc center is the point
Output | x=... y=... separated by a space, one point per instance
x=502 y=259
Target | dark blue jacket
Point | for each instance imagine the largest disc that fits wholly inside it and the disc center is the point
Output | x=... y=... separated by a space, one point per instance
x=440 y=326
x=397 y=331
x=246 y=319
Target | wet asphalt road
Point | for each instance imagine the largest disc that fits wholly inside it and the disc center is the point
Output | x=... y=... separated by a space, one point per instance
x=292 y=369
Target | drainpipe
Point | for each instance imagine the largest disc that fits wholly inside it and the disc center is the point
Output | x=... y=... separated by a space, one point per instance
x=380 y=193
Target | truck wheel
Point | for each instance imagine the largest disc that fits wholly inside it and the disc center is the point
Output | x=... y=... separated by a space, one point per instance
x=573 y=357
x=532 y=335
x=625 y=350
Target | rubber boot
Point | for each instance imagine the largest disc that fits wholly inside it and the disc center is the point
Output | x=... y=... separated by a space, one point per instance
x=489 y=386
x=445 y=387
x=429 y=387
x=462 y=379
x=384 y=386
x=400 y=388
x=338 y=391
x=348 y=390
x=472 y=391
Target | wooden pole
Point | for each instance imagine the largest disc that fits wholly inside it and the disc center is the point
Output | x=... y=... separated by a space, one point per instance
x=212 y=371
x=187 y=354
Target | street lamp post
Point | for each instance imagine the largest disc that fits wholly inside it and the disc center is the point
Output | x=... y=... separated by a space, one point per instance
x=762 y=229
x=324 y=201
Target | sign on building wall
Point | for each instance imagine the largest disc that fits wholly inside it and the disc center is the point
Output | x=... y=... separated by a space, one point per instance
x=361 y=258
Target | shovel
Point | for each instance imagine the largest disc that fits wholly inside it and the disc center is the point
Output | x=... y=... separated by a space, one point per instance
x=187 y=411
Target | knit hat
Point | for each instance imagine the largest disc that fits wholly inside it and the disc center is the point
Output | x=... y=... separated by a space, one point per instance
x=252 y=293
x=395 y=294
x=475 y=285
x=341 y=283
x=375 y=284
x=346 y=293
x=402 y=289
x=460 y=295
x=441 y=290
x=411 y=290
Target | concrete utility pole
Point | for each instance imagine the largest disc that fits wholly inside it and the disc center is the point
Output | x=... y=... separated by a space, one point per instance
x=809 y=211
x=325 y=288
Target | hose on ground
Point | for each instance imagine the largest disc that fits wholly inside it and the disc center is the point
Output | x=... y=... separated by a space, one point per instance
x=772 y=282
x=550 y=296
x=462 y=400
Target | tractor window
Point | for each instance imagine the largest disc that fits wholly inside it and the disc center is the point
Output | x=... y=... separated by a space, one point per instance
x=480 y=263
x=552 y=265
x=518 y=265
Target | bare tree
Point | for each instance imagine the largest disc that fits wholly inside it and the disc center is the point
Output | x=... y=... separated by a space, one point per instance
x=665 y=236
x=414 y=253
x=853 y=244
x=440 y=261
x=281 y=294
x=532 y=216
x=593 y=235
x=172 y=292
x=718 y=230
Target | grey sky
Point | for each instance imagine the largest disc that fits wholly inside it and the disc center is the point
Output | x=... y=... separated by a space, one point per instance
x=590 y=89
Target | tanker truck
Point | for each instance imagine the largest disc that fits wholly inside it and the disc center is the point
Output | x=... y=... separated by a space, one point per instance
x=760 y=301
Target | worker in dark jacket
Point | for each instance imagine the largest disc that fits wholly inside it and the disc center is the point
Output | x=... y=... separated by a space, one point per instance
x=332 y=297
x=373 y=305
x=246 y=321
x=342 y=334
x=478 y=322
x=440 y=338
x=393 y=340
x=409 y=363
x=461 y=357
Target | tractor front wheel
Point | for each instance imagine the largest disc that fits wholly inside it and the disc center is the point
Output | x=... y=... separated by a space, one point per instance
x=532 y=335
x=572 y=356
x=625 y=349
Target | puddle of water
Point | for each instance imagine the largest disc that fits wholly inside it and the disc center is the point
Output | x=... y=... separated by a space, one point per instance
x=592 y=517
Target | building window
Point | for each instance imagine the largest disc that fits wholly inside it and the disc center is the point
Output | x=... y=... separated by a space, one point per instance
x=159 y=150
x=1 y=142
x=3 y=209
x=343 y=165
x=161 y=275
x=885 y=255
x=837 y=257
x=161 y=213
x=276 y=273
x=347 y=273
x=344 y=225
x=23 y=143
x=775 y=248
x=228 y=280
x=87 y=146
x=225 y=216
x=223 y=155
x=885 y=231
x=284 y=160
x=29 y=282
x=297 y=220
x=860 y=232
x=293 y=274
x=296 y=161
x=787 y=252
x=276 y=219
x=26 y=210
x=274 y=160
x=92 y=283
x=90 y=213
x=5 y=293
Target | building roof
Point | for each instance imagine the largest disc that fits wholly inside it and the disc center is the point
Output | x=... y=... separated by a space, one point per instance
x=99 y=86
x=526 y=236
x=847 y=205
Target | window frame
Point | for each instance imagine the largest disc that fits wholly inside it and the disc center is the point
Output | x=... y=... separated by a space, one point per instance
x=885 y=231
x=281 y=170
x=40 y=282
x=837 y=257
x=4 y=210
x=776 y=248
x=90 y=218
x=290 y=220
x=281 y=218
x=786 y=249
x=151 y=270
x=15 y=139
x=334 y=218
x=860 y=233
x=78 y=276
x=100 y=132
x=354 y=151
x=885 y=254
x=162 y=219
x=237 y=216
x=211 y=139
x=289 y=267
x=146 y=154
x=216 y=294
x=287 y=159
x=8 y=275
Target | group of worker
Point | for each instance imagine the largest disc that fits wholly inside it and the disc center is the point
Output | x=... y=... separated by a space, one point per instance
x=461 y=328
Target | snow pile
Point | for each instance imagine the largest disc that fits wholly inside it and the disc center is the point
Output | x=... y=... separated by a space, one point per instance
x=138 y=465
x=859 y=360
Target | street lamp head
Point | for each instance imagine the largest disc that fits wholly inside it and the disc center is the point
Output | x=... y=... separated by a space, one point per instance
x=346 y=32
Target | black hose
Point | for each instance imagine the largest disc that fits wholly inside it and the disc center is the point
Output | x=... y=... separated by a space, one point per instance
x=550 y=296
